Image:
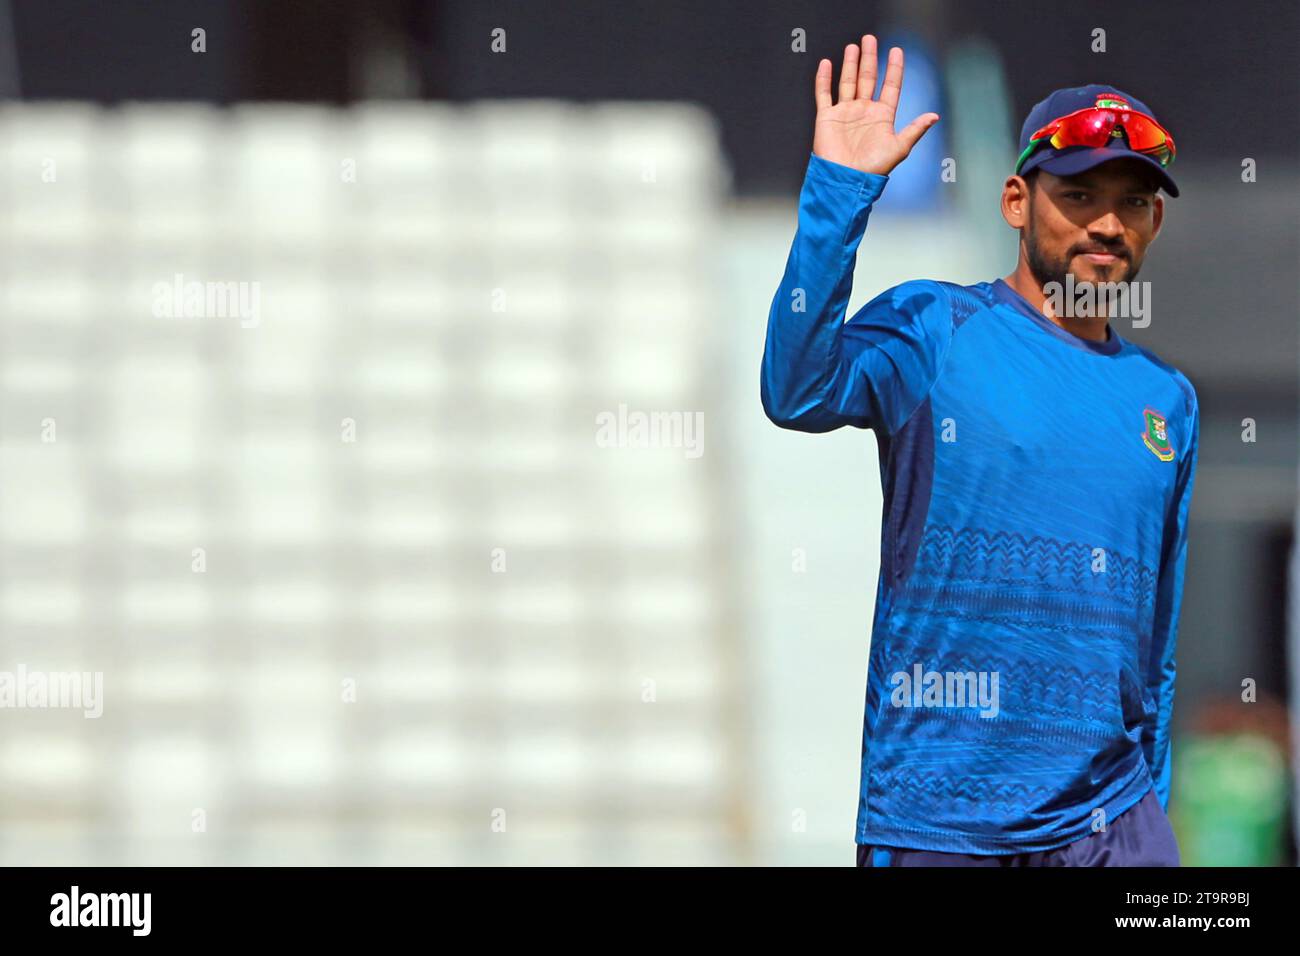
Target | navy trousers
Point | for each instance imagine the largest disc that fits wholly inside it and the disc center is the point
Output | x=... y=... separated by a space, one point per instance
x=1140 y=836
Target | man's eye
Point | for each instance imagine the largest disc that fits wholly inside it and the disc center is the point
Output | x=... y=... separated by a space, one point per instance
x=1075 y=194
x=1138 y=200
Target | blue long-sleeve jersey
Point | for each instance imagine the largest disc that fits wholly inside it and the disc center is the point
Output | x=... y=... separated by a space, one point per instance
x=1036 y=493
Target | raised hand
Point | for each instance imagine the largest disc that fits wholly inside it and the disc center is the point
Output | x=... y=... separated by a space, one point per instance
x=859 y=131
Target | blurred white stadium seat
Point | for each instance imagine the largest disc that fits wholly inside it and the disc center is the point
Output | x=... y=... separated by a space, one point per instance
x=448 y=298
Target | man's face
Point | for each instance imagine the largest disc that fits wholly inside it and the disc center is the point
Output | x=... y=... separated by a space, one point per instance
x=1096 y=224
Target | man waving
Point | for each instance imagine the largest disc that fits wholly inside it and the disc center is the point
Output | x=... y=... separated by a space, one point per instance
x=1037 y=473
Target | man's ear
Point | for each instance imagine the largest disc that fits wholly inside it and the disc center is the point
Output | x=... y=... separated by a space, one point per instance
x=1157 y=216
x=1015 y=202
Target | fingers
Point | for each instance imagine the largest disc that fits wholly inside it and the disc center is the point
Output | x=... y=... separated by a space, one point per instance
x=893 y=78
x=911 y=134
x=849 y=73
x=822 y=84
x=867 y=68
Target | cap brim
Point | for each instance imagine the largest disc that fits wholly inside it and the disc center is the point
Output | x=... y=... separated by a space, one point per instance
x=1078 y=159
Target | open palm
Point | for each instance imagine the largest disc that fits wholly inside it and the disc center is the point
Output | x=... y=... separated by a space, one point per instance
x=859 y=131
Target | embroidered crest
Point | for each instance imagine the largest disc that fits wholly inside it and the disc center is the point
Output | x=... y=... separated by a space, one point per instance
x=1112 y=101
x=1156 y=435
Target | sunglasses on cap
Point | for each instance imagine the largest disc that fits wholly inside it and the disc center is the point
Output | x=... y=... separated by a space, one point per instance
x=1095 y=126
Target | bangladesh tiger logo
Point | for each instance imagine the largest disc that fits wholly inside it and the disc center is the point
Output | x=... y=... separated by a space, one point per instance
x=1156 y=435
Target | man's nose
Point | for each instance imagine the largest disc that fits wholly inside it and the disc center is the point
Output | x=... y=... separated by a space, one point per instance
x=1108 y=225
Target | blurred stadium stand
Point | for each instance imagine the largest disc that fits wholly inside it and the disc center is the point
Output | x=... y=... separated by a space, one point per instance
x=492 y=280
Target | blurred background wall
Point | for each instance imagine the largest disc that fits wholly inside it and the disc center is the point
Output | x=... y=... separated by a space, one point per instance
x=381 y=572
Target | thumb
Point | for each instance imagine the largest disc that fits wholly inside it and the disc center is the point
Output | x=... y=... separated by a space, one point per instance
x=913 y=131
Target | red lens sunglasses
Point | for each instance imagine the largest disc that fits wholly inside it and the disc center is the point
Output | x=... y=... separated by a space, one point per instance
x=1096 y=125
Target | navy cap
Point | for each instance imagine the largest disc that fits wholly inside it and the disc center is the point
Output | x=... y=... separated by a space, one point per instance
x=1075 y=159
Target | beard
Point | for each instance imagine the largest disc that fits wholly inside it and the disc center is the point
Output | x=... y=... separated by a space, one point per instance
x=1047 y=268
